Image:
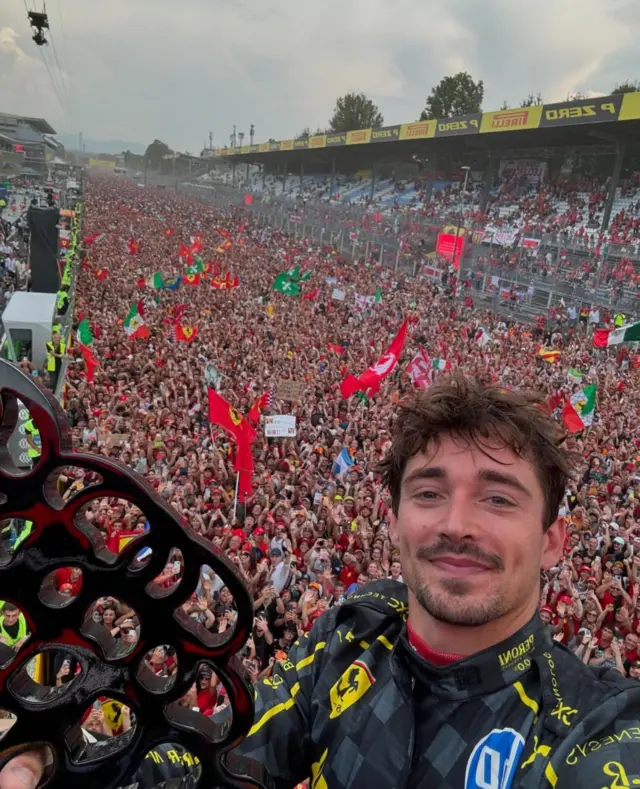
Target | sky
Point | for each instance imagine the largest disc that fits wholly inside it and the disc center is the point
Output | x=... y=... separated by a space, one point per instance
x=144 y=69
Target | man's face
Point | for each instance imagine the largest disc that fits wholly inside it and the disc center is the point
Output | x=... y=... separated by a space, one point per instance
x=469 y=530
x=11 y=616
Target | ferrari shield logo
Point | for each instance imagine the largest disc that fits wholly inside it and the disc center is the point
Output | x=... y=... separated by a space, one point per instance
x=235 y=416
x=188 y=332
x=351 y=686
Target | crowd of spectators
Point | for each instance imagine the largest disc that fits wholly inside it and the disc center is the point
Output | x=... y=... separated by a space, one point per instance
x=311 y=532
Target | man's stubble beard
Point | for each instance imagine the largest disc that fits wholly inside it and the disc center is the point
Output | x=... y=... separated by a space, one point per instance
x=451 y=603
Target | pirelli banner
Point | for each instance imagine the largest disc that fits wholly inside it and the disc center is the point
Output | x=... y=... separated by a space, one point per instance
x=604 y=109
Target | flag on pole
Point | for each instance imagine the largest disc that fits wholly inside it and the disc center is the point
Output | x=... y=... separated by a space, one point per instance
x=90 y=361
x=224 y=414
x=343 y=462
x=440 y=364
x=339 y=349
x=264 y=401
x=369 y=381
x=172 y=283
x=184 y=333
x=156 y=281
x=420 y=371
x=284 y=283
x=604 y=338
x=378 y=297
x=312 y=295
x=84 y=336
x=549 y=355
x=134 y=324
x=574 y=375
x=578 y=410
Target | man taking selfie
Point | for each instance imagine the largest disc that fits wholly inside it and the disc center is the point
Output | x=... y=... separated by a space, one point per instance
x=452 y=681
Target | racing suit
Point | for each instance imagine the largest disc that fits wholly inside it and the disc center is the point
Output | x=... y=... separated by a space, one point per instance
x=354 y=707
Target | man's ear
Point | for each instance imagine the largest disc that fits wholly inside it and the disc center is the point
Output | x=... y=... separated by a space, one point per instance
x=393 y=531
x=553 y=544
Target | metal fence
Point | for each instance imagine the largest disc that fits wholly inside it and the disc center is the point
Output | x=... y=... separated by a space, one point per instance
x=512 y=282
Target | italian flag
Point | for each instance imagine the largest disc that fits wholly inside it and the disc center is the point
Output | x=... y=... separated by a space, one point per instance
x=440 y=364
x=83 y=334
x=134 y=325
x=156 y=281
x=578 y=410
x=603 y=338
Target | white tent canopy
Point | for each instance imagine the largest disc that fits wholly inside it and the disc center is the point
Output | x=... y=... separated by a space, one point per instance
x=29 y=317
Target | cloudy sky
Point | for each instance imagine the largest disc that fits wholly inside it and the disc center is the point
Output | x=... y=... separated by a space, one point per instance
x=175 y=69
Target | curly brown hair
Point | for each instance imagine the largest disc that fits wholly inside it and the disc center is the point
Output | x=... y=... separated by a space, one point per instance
x=485 y=416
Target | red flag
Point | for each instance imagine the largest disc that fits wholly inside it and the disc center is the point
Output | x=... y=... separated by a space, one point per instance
x=369 y=381
x=102 y=274
x=312 y=295
x=185 y=253
x=134 y=246
x=336 y=348
x=256 y=408
x=224 y=414
x=185 y=333
x=191 y=279
x=90 y=362
x=169 y=232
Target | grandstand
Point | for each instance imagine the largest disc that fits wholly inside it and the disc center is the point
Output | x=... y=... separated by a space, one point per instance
x=26 y=145
x=509 y=152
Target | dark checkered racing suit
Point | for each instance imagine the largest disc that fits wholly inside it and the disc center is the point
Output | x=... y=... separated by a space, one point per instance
x=354 y=707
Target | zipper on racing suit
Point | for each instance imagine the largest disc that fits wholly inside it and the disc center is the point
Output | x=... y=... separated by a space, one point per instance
x=406 y=771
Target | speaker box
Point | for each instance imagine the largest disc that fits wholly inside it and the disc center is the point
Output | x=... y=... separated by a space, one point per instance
x=43 y=253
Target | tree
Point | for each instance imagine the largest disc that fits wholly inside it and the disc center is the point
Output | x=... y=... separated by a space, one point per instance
x=505 y=105
x=532 y=100
x=155 y=153
x=304 y=134
x=455 y=95
x=626 y=87
x=355 y=111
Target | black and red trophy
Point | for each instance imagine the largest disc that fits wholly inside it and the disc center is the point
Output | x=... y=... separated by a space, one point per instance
x=62 y=537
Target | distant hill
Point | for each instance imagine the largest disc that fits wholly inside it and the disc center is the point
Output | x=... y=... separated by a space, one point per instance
x=70 y=141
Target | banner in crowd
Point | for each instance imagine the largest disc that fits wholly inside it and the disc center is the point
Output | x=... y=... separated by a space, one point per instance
x=445 y=247
x=289 y=390
x=531 y=171
x=529 y=243
x=280 y=426
x=502 y=237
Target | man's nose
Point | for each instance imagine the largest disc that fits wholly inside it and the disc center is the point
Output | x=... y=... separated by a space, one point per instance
x=459 y=522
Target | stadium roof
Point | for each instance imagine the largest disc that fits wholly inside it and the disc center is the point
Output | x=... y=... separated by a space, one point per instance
x=39 y=124
x=581 y=123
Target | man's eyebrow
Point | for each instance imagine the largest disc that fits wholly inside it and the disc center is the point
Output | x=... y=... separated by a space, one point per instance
x=486 y=475
x=428 y=472
x=491 y=475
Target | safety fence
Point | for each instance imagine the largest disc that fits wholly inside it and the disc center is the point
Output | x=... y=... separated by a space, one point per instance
x=557 y=269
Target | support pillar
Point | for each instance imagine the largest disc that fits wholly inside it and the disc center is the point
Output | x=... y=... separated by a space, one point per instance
x=615 y=182
x=432 y=169
x=489 y=175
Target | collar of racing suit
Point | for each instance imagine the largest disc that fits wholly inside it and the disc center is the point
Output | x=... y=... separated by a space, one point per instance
x=484 y=672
